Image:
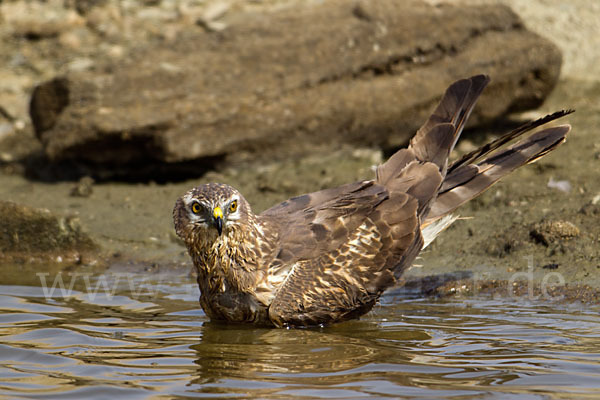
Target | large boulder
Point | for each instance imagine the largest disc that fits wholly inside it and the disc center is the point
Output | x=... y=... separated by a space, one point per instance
x=281 y=83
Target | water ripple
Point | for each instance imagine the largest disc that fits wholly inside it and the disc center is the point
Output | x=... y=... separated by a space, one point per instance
x=159 y=344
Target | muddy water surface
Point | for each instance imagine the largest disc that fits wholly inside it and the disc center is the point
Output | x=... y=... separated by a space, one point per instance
x=120 y=335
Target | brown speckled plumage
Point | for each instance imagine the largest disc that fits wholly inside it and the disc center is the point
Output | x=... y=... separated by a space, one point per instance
x=328 y=256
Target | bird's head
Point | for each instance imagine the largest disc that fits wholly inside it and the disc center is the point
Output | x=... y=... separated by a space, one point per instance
x=209 y=212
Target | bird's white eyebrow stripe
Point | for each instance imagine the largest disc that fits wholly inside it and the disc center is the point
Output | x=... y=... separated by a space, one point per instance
x=204 y=204
x=189 y=199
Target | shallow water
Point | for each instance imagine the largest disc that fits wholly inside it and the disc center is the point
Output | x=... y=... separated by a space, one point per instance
x=100 y=339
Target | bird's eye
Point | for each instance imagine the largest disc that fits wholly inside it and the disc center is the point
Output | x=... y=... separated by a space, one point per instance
x=196 y=208
x=233 y=206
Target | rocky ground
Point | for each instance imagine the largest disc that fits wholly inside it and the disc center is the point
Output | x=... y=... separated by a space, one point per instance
x=540 y=225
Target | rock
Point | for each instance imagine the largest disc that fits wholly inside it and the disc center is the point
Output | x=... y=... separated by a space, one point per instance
x=590 y=209
x=37 y=20
x=85 y=6
x=277 y=84
x=36 y=233
x=211 y=14
x=14 y=98
x=562 y=185
x=83 y=188
x=551 y=232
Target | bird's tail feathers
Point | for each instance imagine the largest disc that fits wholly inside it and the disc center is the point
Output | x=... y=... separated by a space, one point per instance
x=419 y=170
x=470 y=176
x=436 y=139
x=473 y=156
x=430 y=230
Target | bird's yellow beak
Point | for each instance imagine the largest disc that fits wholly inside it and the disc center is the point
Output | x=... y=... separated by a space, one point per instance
x=218 y=216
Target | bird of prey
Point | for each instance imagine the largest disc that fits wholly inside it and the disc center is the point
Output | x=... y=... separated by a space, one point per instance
x=328 y=256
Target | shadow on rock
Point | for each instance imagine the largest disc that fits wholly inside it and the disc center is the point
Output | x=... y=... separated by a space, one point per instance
x=38 y=167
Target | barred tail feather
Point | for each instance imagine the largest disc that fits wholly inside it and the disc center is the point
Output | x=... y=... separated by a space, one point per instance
x=434 y=141
x=470 y=180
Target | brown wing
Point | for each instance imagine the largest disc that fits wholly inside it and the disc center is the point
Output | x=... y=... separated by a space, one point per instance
x=341 y=248
x=320 y=222
x=364 y=246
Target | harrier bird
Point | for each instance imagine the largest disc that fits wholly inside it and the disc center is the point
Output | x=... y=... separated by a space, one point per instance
x=327 y=256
